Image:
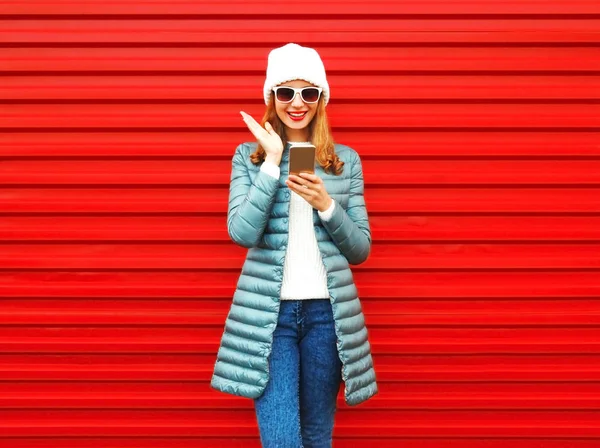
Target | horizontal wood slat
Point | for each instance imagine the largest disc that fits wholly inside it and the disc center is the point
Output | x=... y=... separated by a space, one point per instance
x=384 y=229
x=402 y=312
x=372 y=285
x=348 y=88
x=440 y=396
x=98 y=117
x=385 y=340
x=165 y=423
x=338 y=60
x=187 y=255
x=241 y=442
x=405 y=368
x=213 y=201
x=276 y=10
x=386 y=143
x=327 y=31
x=210 y=173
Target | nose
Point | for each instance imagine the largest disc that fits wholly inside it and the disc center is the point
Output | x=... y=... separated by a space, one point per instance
x=297 y=101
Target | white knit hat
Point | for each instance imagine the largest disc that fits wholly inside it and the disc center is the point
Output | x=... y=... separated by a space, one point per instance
x=291 y=62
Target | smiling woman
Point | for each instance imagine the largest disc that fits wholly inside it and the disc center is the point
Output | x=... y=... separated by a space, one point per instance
x=296 y=100
x=293 y=109
x=293 y=74
x=296 y=328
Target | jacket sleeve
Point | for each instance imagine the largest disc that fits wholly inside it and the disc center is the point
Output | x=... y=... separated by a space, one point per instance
x=350 y=228
x=249 y=203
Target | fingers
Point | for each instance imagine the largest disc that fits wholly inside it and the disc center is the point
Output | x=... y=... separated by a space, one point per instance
x=254 y=127
x=304 y=183
x=301 y=189
x=312 y=177
x=270 y=129
x=247 y=117
x=249 y=120
x=296 y=180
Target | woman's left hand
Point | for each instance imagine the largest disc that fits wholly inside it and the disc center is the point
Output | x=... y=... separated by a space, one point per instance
x=311 y=188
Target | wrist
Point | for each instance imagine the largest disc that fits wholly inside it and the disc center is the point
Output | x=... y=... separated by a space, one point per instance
x=275 y=160
x=327 y=205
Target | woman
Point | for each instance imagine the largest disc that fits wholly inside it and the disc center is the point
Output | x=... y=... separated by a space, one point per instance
x=296 y=329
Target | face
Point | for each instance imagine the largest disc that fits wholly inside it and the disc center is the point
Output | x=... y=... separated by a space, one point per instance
x=297 y=105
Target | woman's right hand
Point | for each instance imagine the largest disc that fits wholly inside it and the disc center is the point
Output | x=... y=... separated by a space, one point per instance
x=267 y=137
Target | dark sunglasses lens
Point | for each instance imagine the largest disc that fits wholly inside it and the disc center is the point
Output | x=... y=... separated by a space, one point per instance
x=284 y=94
x=310 y=95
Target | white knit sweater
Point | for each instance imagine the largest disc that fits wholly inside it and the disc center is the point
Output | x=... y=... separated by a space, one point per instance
x=304 y=275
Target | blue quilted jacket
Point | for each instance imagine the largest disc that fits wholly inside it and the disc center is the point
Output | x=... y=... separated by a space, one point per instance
x=258 y=220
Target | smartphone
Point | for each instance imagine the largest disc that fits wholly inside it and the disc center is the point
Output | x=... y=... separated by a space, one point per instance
x=302 y=158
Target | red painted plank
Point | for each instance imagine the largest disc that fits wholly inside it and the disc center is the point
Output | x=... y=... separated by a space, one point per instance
x=340 y=442
x=484 y=255
x=390 y=340
x=379 y=200
x=165 y=117
x=376 y=172
x=372 y=285
x=326 y=31
x=404 y=368
x=337 y=59
x=494 y=313
x=347 y=87
x=195 y=229
x=396 y=339
x=369 y=144
x=265 y=9
x=369 y=423
x=198 y=396
x=213 y=442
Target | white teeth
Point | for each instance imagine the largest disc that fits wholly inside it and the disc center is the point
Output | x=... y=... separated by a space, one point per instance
x=293 y=114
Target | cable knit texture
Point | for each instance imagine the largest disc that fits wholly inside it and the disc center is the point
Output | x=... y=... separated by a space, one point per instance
x=304 y=274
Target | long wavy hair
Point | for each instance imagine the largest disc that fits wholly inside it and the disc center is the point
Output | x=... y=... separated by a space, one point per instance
x=319 y=135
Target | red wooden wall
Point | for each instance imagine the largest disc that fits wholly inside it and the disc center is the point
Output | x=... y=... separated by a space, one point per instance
x=479 y=128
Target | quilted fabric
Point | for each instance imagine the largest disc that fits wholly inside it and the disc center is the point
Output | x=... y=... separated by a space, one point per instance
x=258 y=220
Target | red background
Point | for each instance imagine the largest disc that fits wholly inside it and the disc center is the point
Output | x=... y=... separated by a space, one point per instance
x=478 y=125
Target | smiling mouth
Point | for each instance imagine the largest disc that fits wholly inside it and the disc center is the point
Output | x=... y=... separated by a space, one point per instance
x=297 y=116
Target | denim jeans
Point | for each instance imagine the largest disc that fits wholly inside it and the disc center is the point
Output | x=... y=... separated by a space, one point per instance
x=298 y=405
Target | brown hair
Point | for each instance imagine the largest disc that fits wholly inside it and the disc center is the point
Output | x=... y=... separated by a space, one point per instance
x=319 y=134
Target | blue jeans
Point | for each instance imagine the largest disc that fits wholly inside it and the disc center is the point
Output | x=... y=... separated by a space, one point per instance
x=298 y=405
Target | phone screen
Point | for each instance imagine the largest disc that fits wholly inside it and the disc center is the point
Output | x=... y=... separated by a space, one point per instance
x=302 y=158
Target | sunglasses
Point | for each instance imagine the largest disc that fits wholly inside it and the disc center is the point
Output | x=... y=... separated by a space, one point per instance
x=285 y=94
